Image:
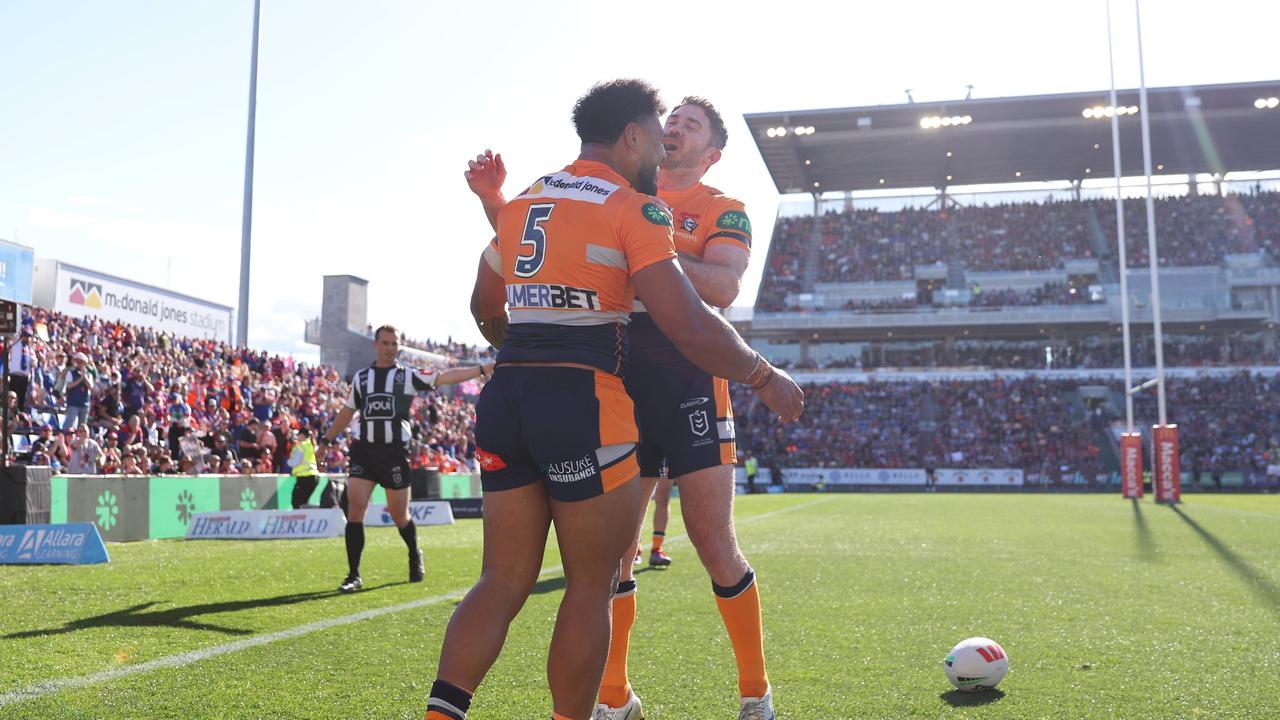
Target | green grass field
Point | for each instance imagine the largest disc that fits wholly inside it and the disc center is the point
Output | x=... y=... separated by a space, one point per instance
x=1107 y=610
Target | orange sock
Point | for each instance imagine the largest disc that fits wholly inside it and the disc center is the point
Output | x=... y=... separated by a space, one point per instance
x=658 y=537
x=740 y=607
x=615 y=690
x=433 y=715
x=558 y=716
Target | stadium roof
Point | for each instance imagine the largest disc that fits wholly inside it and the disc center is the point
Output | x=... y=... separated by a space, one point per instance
x=1205 y=129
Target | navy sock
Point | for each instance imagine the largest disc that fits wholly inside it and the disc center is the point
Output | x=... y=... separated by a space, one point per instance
x=449 y=700
x=355 y=547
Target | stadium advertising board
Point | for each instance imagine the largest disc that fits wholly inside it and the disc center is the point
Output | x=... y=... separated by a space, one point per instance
x=854 y=476
x=423 y=512
x=142 y=508
x=17 y=263
x=980 y=477
x=79 y=292
x=65 y=544
x=267 y=524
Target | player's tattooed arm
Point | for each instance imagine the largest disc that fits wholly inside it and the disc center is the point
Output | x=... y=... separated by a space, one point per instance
x=485 y=176
x=717 y=275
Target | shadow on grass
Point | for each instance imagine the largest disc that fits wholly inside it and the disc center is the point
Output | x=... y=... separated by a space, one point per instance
x=178 y=617
x=1142 y=534
x=960 y=698
x=1262 y=586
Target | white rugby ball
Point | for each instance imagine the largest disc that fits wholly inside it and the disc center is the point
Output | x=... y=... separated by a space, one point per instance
x=976 y=664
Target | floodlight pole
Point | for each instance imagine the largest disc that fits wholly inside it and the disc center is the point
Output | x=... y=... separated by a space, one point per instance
x=1120 y=238
x=246 y=224
x=1144 y=115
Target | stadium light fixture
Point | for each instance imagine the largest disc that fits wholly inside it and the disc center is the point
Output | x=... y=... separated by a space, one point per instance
x=771 y=132
x=948 y=153
x=1260 y=103
x=948 y=178
x=1017 y=173
x=808 y=162
x=881 y=181
x=1160 y=166
x=817 y=184
x=1272 y=103
x=937 y=121
x=1098 y=112
x=1088 y=171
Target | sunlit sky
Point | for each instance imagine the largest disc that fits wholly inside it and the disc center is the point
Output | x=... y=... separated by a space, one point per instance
x=122 y=129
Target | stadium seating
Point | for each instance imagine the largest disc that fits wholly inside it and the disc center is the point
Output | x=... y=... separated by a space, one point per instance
x=217 y=386
x=862 y=245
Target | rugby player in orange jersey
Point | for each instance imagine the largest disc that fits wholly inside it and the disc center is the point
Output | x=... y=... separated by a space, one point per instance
x=555 y=429
x=686 y=423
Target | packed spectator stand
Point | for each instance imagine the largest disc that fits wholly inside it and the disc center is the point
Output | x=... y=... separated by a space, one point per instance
x=105 y=397
x=864 y=245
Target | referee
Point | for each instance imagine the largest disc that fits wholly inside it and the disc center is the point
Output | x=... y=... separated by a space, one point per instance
x=383 y=396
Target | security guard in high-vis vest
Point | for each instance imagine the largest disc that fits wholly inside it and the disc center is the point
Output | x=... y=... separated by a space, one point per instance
x=305 y=470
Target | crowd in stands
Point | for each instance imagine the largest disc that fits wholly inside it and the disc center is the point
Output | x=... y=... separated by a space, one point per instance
x=1054 y=293
x=862 y=245
x=1224 y=423
x=995 y=423
x=1092 y=353
x=92 y=396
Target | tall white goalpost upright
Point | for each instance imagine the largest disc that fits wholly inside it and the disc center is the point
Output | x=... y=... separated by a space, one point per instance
x=1130 y=441
x=1166 y=478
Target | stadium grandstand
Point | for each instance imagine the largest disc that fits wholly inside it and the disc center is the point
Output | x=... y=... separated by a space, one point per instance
x=951 y=292
x=167 y=405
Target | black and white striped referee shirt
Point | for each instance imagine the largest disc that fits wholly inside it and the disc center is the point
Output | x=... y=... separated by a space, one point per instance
x=384 y=399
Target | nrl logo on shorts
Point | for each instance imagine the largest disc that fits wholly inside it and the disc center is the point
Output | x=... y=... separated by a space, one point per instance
x=699 y=423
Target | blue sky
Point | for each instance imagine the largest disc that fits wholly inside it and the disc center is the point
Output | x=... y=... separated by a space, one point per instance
x=122 y=128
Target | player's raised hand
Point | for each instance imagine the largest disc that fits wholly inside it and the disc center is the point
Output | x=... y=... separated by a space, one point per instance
x=486 y=174
x=783 y=396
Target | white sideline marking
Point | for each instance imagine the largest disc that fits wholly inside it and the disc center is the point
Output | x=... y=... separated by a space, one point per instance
x=49 y=687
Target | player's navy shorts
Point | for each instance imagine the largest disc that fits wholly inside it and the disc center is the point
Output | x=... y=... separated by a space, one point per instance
x=572 y=429
x=686 y=419
x=387 y=465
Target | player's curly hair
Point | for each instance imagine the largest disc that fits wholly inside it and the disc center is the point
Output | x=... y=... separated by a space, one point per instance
x=719 y=133
x=603 y=113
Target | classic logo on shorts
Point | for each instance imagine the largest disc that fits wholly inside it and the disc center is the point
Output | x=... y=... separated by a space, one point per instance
x=693 y=402
x=489 y=461
x=699 y=423
x=379 y=406
x=573 y=470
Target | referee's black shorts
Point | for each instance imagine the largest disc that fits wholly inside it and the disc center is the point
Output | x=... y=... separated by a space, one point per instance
x=385 y=464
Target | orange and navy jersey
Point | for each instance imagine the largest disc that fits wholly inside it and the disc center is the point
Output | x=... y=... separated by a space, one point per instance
x=566 y=248
x=703 y=216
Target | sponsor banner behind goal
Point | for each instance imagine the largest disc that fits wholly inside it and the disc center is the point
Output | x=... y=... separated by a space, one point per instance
x=854 y=476
x=988 y=477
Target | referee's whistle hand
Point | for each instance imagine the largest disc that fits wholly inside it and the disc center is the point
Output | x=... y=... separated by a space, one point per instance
x=783 y=396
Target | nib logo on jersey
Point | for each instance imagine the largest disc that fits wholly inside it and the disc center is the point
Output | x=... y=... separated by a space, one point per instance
x=85 y=293
x=571 y=471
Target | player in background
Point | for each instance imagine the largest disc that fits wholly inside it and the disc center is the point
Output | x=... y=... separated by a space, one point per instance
x=686 y=421
x=571 y=251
